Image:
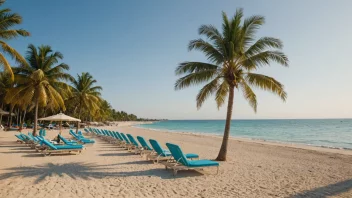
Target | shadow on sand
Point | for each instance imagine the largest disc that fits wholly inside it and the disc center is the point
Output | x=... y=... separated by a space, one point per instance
x=326 y=191
x=86 y=171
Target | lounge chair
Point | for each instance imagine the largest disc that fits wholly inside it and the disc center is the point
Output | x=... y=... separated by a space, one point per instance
x=81 y=138
x=146 y=149
x=68 y=142
x=51 y=148
x=134 y=143
x=162 y=154
x=182 y=163
x=20 y=139
x=127 y=143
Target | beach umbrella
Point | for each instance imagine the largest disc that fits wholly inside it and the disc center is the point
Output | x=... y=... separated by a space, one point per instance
x=60 y=117
x=2 y=112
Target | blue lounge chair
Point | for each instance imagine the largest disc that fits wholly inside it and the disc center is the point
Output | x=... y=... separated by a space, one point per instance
x=182 y=163
x=134 y=143
x=162 y=154
x=51 y=148
x=125 y=138
x=146 y=148
x=68 y=142
x=20 y=139
x=81 y=138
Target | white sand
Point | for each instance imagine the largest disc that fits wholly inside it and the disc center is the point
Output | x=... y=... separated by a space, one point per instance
x=102 y=170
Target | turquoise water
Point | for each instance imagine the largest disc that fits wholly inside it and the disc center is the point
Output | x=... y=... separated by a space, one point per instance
x=334 y=133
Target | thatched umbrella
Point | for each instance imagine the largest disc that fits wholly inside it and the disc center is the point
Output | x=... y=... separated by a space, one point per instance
x=61 y=117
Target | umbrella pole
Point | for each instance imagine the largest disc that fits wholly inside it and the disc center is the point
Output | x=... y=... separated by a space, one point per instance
x=60 y=127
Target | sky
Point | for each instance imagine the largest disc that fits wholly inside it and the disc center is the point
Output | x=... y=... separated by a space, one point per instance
x=133 y=47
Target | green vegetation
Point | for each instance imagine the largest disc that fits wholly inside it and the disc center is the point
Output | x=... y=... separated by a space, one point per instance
x=234 y=55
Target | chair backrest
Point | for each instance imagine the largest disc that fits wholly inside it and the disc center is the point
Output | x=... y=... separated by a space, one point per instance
x=73 y=134
x=177 y=153
x=156 y=146
x=20 y=137
x=132 y=140
x=125 y=138
x=49 y=144
x=119 y=136
x=63 y=139
x=115 y=135
x=25 y=137
x=111 y=134
x=144 y=143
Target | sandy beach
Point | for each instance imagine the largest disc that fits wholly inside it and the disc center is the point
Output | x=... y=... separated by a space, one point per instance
x=254 y=169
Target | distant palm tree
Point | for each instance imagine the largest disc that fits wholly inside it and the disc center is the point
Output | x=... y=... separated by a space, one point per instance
x=233 y=55
x=41 y=82
x=7 y=20
x=85 y=94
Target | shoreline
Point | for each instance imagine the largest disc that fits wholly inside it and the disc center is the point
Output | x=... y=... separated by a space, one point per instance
x=343 y=151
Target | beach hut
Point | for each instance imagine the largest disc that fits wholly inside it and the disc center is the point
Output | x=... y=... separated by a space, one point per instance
x=61 y=117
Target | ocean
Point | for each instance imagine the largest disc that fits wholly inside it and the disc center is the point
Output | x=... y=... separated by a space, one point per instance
x=332 y=133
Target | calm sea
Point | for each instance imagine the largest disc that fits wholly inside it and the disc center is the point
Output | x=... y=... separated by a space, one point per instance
x=334 y=133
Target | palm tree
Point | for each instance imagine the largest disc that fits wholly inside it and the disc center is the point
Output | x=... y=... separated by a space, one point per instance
x=233 y=55
x=85 y=94
x=40 y=82
x=7 y=21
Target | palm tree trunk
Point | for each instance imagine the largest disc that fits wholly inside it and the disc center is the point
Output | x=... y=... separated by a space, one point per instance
x=225 y=139
x=10 y=121
x=24 y=116
x=35 y=118
x=79 y=115
x=2 y=107
x=17 y=115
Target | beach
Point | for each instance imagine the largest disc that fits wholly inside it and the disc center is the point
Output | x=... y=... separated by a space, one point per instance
x=253 y=169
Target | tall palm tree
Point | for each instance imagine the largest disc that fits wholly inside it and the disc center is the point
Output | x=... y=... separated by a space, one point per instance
x=85 y=94
x=7 y=21
x=233 y=55
x=41 y=81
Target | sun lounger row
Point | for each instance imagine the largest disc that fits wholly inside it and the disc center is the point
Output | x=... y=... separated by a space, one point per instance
x=47 y=147
x=174 y=158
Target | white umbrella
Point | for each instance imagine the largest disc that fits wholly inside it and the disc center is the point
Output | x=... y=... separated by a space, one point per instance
x=60 y=117
x=2 y=112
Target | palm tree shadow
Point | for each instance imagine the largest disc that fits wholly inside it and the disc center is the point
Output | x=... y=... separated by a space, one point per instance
x=116 y=154
x=326 y=191
x=85 y=171
x=73 y=170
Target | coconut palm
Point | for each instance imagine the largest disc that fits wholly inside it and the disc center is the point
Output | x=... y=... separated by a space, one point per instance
x=85 y=94
x=41 y=81
x=233 y=56
x=7 y=21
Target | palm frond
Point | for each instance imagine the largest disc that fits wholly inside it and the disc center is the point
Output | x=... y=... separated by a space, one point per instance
x=194 y=67
x=264 y=58
x=262 y=44
x=249 y=95
x=6 y=65
x=13 y=53
x=266 y=83
x=195 y=79
x=206 y=91
x=208 y=49
x=221 y=93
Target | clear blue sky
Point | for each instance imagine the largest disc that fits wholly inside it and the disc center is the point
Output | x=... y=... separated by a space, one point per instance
x=133 y=47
